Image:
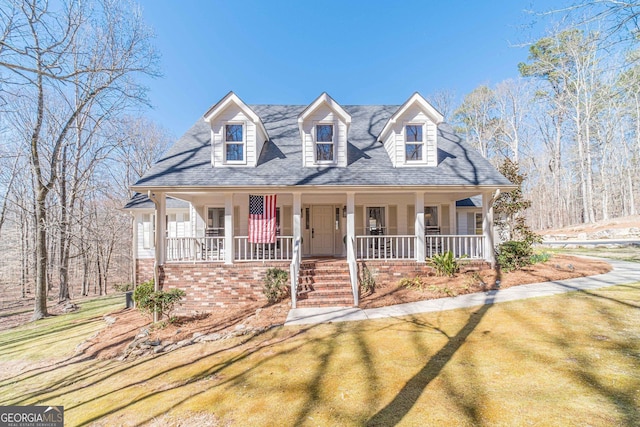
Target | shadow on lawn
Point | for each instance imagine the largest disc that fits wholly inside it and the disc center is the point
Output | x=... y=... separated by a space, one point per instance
x=400 y=406
x=583 y=344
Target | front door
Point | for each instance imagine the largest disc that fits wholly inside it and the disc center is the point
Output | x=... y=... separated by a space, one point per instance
x=322 y=233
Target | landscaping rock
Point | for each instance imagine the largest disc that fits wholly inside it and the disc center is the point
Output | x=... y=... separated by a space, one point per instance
x=110 y=320
x=69 y=307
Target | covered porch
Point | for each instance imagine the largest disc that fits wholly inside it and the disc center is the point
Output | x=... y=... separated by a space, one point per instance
x=357 y=226
x=375 y=226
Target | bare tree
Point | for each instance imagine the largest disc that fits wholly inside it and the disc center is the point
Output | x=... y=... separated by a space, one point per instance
x=63 y=62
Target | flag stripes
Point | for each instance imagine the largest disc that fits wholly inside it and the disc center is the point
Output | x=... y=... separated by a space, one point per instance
x=262 y=219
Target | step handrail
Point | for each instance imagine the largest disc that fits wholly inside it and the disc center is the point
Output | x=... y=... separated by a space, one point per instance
x=353 y=269
x=294 y=270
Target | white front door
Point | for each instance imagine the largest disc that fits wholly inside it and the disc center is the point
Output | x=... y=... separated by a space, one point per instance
x=322 y=233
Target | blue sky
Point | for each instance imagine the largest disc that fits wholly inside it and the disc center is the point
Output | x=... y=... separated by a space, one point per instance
x=289 y=52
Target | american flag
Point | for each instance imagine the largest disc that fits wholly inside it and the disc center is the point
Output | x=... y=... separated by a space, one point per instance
x=262 y=219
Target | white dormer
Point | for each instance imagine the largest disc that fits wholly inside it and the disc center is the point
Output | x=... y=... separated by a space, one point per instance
x=410 y=136
x=324 y=129
x=237 y=133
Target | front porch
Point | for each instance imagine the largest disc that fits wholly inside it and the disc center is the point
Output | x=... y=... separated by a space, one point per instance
x=355 y=226
x=368 y=247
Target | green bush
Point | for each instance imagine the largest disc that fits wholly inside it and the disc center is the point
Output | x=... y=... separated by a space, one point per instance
x=445 y=264
x=275 y=285
x=142 y=293
x=540 y=257
x=513 y=255
x=148 y=300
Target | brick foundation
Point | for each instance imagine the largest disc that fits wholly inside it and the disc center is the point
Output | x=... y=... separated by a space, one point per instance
x=144 y=270
x=214 y=285
x=209 y=286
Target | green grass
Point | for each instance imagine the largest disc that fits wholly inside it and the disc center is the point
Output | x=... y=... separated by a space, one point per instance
x=56 y=336
x=629 y=253
x=572 y=359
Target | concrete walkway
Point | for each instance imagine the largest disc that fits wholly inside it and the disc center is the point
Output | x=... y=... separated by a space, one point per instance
x=623 y=273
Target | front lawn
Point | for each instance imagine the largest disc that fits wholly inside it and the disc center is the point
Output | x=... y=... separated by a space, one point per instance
x=572 y=359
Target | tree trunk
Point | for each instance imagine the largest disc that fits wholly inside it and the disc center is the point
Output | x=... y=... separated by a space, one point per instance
x=40 y=307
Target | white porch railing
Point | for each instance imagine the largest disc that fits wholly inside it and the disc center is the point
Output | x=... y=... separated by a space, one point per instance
x=382 y=247
x=191 y=249
x=281 y=250
x=385 y=247
x=462 y=246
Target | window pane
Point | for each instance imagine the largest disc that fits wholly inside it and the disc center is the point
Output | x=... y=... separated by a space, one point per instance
x=235 y=152
x=376 y=220
x=414 y=133
x=324 y=133
x=431 y=216
x=233 y=133
x=414 y=151
x=324 y=151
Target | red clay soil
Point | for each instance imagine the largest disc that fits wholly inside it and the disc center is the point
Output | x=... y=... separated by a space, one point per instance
x=559 y=267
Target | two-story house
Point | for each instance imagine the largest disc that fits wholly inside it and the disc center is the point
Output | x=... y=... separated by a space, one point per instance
x=386 y=186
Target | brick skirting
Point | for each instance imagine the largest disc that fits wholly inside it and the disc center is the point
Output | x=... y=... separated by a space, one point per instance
x=214 y=285
x=144 y=270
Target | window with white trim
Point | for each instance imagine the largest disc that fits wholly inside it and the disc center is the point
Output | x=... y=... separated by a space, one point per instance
x=324 y=143
x=148 y=231
x=414 y=142
x=478 y=223
x=234 y=143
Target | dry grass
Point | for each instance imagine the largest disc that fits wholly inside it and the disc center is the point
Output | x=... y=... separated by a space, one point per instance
x=572 y=359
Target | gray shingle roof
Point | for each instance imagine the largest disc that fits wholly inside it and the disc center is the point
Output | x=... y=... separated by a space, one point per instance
x=471 y=202
x=188 y=162
x=141 y=201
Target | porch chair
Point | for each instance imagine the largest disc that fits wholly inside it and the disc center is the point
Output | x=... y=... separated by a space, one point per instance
x=380 y=248
x=433 y=245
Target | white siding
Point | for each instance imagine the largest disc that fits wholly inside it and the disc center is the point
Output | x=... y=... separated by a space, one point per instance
x=395 y=142
x=254 y=139
x=324 y=114
x=390 y=145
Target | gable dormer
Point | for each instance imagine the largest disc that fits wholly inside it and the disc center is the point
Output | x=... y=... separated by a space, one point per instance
x=324 y=129
x=410 y=136
x=237 y=133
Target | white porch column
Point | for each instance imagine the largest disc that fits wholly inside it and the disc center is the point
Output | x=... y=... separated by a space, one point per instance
x=453 y=218
x=160 y=239
x=419 y=227
x=297 y=223
x=487 y=227
x=351 y=224
x=228 y=228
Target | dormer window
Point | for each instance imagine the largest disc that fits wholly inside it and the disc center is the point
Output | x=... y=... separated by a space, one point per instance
x=414 y=143
x=234 y=142
x=324 y=143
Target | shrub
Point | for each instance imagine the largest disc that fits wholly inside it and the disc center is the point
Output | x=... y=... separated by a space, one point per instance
x=540 y=257
x=275 y=285
x=148 y=300
x=412 y=283
x=445 y=264
x=367 y=280
x=142 y=293
x=513 y=255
